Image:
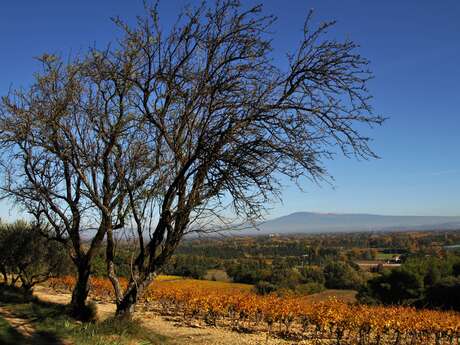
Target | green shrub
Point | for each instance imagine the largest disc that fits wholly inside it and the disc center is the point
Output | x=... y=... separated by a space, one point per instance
x=263 y=287
x=340 y=275
x=444 y=294
x=397 y=286
x=313 y=274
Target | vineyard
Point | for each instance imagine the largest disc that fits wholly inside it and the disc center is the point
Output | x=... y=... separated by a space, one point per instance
x=294 y=318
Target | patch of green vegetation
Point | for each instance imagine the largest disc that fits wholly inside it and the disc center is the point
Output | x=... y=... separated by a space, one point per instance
x=116 y=332
x=8 y=335
x=384 y=256
x=423 y=281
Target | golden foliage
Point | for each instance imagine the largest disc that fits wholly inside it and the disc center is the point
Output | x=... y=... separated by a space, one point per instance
x=293 y=317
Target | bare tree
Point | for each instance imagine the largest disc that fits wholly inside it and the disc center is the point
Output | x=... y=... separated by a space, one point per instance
x=110 y=147
x=164 y=133
x=39 y=167
x=225 y=121
x=69 y=143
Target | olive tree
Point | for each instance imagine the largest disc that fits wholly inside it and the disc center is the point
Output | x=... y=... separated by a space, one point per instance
x=27 y=257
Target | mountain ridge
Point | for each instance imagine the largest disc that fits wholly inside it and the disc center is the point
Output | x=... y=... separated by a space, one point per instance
x=318 y=222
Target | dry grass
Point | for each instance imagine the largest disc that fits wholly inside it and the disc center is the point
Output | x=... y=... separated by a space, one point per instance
x=345 y=296
x=217 y=275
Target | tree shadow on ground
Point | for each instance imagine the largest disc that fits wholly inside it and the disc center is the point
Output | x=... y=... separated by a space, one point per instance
x=21 y=311
x=9 y=335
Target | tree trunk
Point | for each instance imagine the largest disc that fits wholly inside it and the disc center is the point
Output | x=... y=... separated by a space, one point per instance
x=109 y=257
x=127 y=305
x=5 y=276
x=81 y=290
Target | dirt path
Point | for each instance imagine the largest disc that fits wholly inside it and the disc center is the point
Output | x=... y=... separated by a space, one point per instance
x=179 y=334
x=25 y=328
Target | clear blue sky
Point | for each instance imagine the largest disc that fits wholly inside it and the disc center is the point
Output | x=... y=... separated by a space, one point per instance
x=414 y=48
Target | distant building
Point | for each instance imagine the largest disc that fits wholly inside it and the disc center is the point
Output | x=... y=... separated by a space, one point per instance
x=394 y=260
x=455 y=247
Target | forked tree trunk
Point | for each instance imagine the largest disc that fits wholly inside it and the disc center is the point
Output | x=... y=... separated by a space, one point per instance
x=127 y=305
x=145 y=275
x=81 y=290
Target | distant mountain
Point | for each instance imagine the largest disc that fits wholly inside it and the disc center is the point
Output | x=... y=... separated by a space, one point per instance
x=310 y=222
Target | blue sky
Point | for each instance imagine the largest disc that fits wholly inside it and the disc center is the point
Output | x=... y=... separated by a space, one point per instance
x=414 y=48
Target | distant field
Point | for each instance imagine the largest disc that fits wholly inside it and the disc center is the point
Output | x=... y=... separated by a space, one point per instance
x=345 y=296
x=180 y=282
x=219 y=275
x=101 y=286
x=168 y=278
x=385 y=256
